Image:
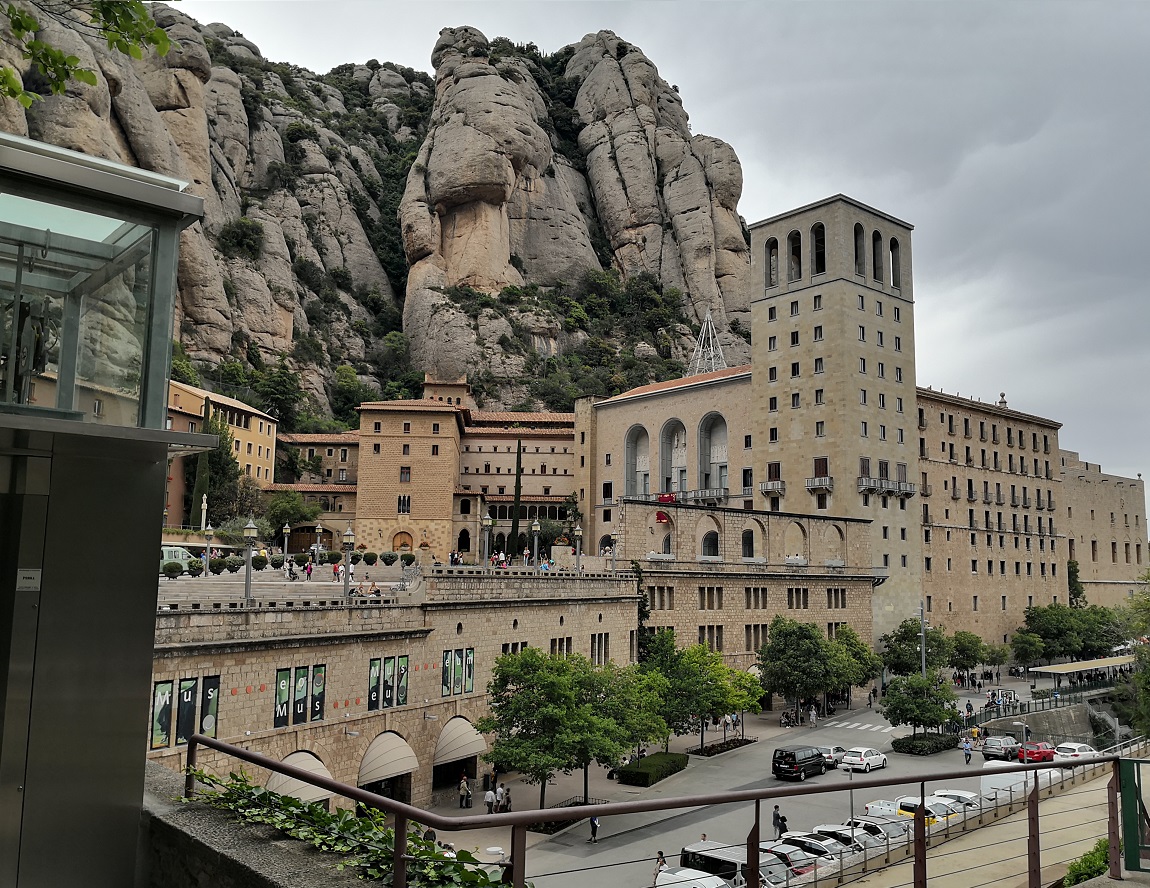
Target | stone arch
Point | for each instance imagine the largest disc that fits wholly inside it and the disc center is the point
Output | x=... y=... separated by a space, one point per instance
x=712 y=452
x=895 y=264
x=709 y=546
x=463 y=544
x=402 y=542
x=772 y=260
x=834 y=543
x=387 y=766
x=818 y=248
x=673 y=457
x=877 y=262
x=794 y=256
x=637 y=461
x=748 y=543
x=795 y=540
x=290 y=786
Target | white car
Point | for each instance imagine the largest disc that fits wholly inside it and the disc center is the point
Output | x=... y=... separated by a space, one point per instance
x=833 y=754
x=862 y=758
x=682 y=877
x=854 y=840
x=1074 y=753
x=816 y=844
x=967 y=799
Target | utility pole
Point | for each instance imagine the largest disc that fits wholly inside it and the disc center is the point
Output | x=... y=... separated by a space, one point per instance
x=922 y=634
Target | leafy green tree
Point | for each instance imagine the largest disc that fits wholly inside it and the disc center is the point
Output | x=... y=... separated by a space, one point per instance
x=288 y=507
x=1027 y=647
x=901 y=653
x=863 y=664
x=969 y=650
x=347 y=394
x=281 y=394
x=1076 y=591
x=922 y=702
x=222 y=473
x=997 y=656
x=1059 y=628
x=182 y=369
x=126 y=25
x=796 y=661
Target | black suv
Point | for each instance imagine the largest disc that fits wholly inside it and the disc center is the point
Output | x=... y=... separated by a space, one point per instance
x=798 y=762
x=1005 y=748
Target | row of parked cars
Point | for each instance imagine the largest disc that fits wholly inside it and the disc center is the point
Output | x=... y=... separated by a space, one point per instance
x=801 y=761
x=799 y=857
x=941 y=805
x=1008 y=749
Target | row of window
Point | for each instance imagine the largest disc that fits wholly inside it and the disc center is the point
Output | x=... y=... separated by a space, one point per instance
x=1023 y=467
x=522 y=449
x=795 y=340
x=1113 y=552
x=1003 y=603
x=662 y=598
x=880 y=253
x=948 y=419
x=510 y=471
x=817 y=305
x=928 y=565
x=754 y=635
x=927 y=537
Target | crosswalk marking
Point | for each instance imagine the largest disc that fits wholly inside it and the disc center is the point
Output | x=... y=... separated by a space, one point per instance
x=860 y=726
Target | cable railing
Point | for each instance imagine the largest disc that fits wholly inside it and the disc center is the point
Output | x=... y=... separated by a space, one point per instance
x=989 y=809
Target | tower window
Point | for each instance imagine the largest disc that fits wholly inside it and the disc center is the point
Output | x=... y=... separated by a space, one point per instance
x=895 y=263
x=794 y=256
x=772 y=258
x=818 y=249
x=876 y=258
x=860 y=250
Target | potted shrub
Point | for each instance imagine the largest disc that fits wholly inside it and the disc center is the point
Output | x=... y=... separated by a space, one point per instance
x=259 y=562
x=217 y=565
x=300 y=559
x=369 y=558
x=389 y=558
x=173 y=569
x=407 y=558
x=277 y=561
x=195 y=567
x=233 y=563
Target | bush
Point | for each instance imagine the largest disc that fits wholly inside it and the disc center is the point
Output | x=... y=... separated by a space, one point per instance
x=1094 y=862
x=356 y=557
x=243 y=238
x=300 y=559
x=925 y=744
x=277 y=561
x=259 y=562
x=653 y=768
x=233 y=563
x=173 y=569
x=333 y=557
x=369 y=558
x=407 y=558
x=195 y=567
x=389 y=558
x=217 y=565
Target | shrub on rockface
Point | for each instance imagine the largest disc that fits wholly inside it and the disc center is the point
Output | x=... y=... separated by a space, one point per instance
x=242 y=238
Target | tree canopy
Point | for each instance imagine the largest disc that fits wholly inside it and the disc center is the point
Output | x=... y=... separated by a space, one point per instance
x=922 y=702
x=968 y=651
x=288 y=507
x=1027 y=647
x=901 y=654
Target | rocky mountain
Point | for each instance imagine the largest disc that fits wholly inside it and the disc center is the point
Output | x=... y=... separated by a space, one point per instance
x=519 y=218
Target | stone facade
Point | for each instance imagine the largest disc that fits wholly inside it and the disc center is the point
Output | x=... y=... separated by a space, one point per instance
x=1105 y=526
x=448 y=610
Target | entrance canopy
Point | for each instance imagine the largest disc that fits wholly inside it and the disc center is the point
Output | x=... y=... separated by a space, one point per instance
x=458 y=740
x=387 y=756
x=1084 y=665
x=305 y=792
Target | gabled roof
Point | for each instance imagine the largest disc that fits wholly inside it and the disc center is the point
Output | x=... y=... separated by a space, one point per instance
x=701 y=379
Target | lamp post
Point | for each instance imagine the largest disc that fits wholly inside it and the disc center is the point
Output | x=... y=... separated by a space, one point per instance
x=578 y=549
x=535 y=545
x=209 y=532
x=922 y=624
x=287 y=533
x=1025 y=774
x=250 y=532
x=348 y=548
x=614 y=540
x=487 y=522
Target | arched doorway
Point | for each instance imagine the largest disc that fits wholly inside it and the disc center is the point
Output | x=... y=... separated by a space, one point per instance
x=401 y=542
x=290 y=786
x=637 y=458
x=456 y=754
x=464 y=542
x=673 y=457
x=387 y=766
x=713 y=452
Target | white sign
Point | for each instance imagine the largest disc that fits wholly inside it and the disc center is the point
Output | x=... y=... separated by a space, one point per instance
x=27 y=579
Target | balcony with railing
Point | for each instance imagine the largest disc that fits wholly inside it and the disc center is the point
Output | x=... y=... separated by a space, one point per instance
x=999 y=499
x=707 y=495
x=1050 y=504
x=1025 y=501
x=986 y=498
x=773 y=488
x=821 y=484
x=926 y=490
x=867 y=484
x=955 y=493
x=1014 y=500
x=905 y=488
x=971 y=496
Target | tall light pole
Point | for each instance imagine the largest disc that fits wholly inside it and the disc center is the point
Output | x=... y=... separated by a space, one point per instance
x=209 y=532
x=250 y=533
x=486 y=541
x=535 y=528
x=578 y=549
x=922 y=634
x=1025 y=774
x=287 y=533
x=348 y=548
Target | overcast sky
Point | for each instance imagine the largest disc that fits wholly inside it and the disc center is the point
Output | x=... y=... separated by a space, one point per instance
x=1015 y=137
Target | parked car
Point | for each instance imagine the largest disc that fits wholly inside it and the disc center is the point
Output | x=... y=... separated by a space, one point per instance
x=967 y=799
x=798 y=860
x=862 y=758
x=856 y=839
x=833 y=755
x=821 y=846
x=1036 y=751
x=1004 y=748
x=1074 y=753
x=938 y=808
x=892 y=828
x=683 y=877
x=798 y=762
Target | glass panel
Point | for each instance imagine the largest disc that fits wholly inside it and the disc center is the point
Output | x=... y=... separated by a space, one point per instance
x=75 y=292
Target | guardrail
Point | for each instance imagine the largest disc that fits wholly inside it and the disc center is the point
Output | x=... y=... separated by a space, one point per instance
x=518 y=821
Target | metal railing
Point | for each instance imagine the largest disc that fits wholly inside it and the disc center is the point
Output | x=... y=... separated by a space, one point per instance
x=914 y=845
x=822 y=482
x=778 y=488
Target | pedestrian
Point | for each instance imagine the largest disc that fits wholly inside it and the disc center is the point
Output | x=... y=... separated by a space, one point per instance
x=777 y=822
x=351 y=570
x=507 y=799
x=499 y=797
x=463 y=787
x=660 y=865
x=594 y=840
x=307 y=570
x=976 y=735
x=967 y=747
x=869 y=699
x=489 y=801
x=813 y=715
x=703 y=837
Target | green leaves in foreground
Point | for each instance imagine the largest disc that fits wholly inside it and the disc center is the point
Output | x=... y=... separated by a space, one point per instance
x=364 y=842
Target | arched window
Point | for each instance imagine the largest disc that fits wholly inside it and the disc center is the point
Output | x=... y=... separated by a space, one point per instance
x=794 y=256
x=499 y=543
x=895 y=264
x=860 y=250
x=876 y=257
x=605 y=544
x=818 y=248
x=464 y=544
x=667 y=544
x=772 y=262
x=711 y=544
x=748 y=544
x=465 y=507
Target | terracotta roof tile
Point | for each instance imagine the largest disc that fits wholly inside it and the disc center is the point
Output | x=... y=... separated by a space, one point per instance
x=314 y=488
x=478 y=416
x=682 y=382
x=319 y=437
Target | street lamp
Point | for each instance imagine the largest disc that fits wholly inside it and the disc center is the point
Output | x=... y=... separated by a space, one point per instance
x=487 y=522
x=535 y=534
x=578 y=548
x=209 y=532
x=1025 y=774
x=348 y=548
x=287 y=533
x=614 y=540
x=250 y=532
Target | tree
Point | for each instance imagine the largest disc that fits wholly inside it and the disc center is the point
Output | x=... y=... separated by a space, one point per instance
x=1074 y=587
x=288 y=507
x=281 y=394
x=968 y=651
x=1028 y=647
x=864 y=664
x=1058 y=626
x=124 y=24
x=347 y=394
x=996 y=655
x=222 y=473
x=797 y=663
x=922 y=702
x=901 y=652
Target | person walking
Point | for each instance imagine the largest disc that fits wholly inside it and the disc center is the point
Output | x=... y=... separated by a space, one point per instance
x=660 y=865
x=489 y=801
x=967 y=748
x=777 y=821
x=507 y=799
x=594 y=840
x=813 y=715
x=463 y=787
x=870 y=699
x=499 y=797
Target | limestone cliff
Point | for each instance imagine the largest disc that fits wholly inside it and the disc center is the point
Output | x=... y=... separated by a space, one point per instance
x=340 y=206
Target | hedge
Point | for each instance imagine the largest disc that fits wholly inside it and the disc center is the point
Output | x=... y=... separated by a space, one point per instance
x=389 y=558
x=925 y=744
x=301 y=559
x=277 y=561
x=259 y=562
x=173 y=569
x=651 y=769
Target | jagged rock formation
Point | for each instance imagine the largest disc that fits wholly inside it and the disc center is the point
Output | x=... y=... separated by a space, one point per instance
x=329 y=198
x=492 y=202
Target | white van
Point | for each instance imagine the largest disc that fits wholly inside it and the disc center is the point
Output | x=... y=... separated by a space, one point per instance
x=175 y=553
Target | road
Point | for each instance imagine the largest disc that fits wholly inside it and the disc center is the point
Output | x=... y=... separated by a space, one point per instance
x=568 y=861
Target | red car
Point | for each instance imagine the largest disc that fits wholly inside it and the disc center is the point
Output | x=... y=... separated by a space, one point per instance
x=1036 y=752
